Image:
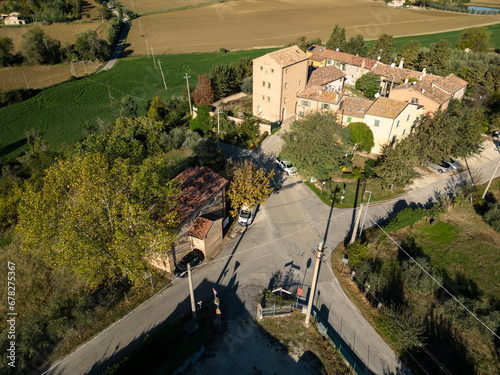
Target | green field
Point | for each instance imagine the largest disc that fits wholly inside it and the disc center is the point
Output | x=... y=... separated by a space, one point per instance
x=451 y=36
x=59 y=112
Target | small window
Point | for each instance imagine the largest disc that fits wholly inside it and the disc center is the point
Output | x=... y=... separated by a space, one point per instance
x=300 y=83
x=408 y=118
x=268 y=99
x=404 y=131
x=325 y=106
x=414 y=100
x=377 y=122
x=269 y=85
x=263 y=84
x=349 y=120
x=286 y=70
x=284 y=100
x=301 y=114
x=263 y=97
x=272 y=70
x=261 y=68
x=305 y=103
x=397 y=124
x=286 y=85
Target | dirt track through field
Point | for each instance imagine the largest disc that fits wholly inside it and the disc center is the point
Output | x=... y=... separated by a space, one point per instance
x=261 y=23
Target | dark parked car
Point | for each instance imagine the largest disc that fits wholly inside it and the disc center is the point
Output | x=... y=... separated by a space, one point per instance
x=194 y=258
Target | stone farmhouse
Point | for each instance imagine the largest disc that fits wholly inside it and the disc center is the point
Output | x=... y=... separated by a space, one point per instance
x=202 y=209
x=12 y=19
x=288 y=83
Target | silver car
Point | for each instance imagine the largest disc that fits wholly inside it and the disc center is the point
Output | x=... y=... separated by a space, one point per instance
x=286 y=166
x=442 y=167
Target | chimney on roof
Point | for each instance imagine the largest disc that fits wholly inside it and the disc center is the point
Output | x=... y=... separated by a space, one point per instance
x=424 y=72
x=337 y=49
x=422 y=91
x=401 y=62
x=393 y=65
x=336 y=96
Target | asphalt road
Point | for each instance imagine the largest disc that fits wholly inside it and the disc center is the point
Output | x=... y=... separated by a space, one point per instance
x=286 y=228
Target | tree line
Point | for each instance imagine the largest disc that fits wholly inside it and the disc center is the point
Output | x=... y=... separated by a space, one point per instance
x=39 y=48
x=82 y=221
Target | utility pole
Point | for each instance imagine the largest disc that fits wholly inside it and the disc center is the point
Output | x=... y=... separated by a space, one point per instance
x=153 y=54
x=356 y=224
x=140 y=28
x=218 y=121
x=189 y=95
x=147 y=46
x=162 y=76
x=491 y=179
x=27 y=84
x=191 y=294
x=366 y=210
x=319 y=255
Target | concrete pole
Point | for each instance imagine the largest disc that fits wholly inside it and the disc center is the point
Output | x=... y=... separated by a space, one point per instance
x=191 y=294
x=162 y=76
x=189 y=95
x=313 y=285
x=147 y=46
x=153 y=54
x=356 y=224
x=218 y=131
x=491 y=179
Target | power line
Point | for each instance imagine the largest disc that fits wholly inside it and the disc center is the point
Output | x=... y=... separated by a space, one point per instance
x=121 y=92
x=437 y=282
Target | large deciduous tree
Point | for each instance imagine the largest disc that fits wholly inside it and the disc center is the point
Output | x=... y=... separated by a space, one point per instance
x=361 y=137
x=437 y=58
x=356 y=45
x=249 y=185
x=203 y=94
x=39 y=48
x=475 y=38
x=128 y=107
x=90 y=47
x=86 y=219
x=369 y=84
x=316 y=144
x=396 y=165
x=223 y=81
x=410 y=53
x=156 y=109
x=337 y=39
x=384 y=47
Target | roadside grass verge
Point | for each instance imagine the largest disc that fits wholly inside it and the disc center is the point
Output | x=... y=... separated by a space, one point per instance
x=59 y=112
x=458 y=248
x=354 y=192
x=290 y=331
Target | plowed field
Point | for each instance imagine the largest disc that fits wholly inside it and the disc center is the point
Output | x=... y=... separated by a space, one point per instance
x=260 y=23
x=37 y=77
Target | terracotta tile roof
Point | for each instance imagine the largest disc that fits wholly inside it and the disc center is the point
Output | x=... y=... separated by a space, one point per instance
x=288 y=56
x=197 y=185
x=427 y=89
x=318 y=94
x=451 y=83
x=394 y=74
x=358 y=61
x=201 y=227
x=324 y=75
x=355 y=107
x=315 y=52
x=387 y=108
x=343 y=57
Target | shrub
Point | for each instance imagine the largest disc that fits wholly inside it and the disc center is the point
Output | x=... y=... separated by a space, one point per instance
x=202 y=122
x=357 y=252
x=492 y=216
x=405 y=218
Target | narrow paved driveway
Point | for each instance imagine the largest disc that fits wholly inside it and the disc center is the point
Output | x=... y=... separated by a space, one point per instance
x=292 y=222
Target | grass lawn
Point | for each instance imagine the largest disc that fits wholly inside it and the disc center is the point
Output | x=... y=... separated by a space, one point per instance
x=59 y=112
